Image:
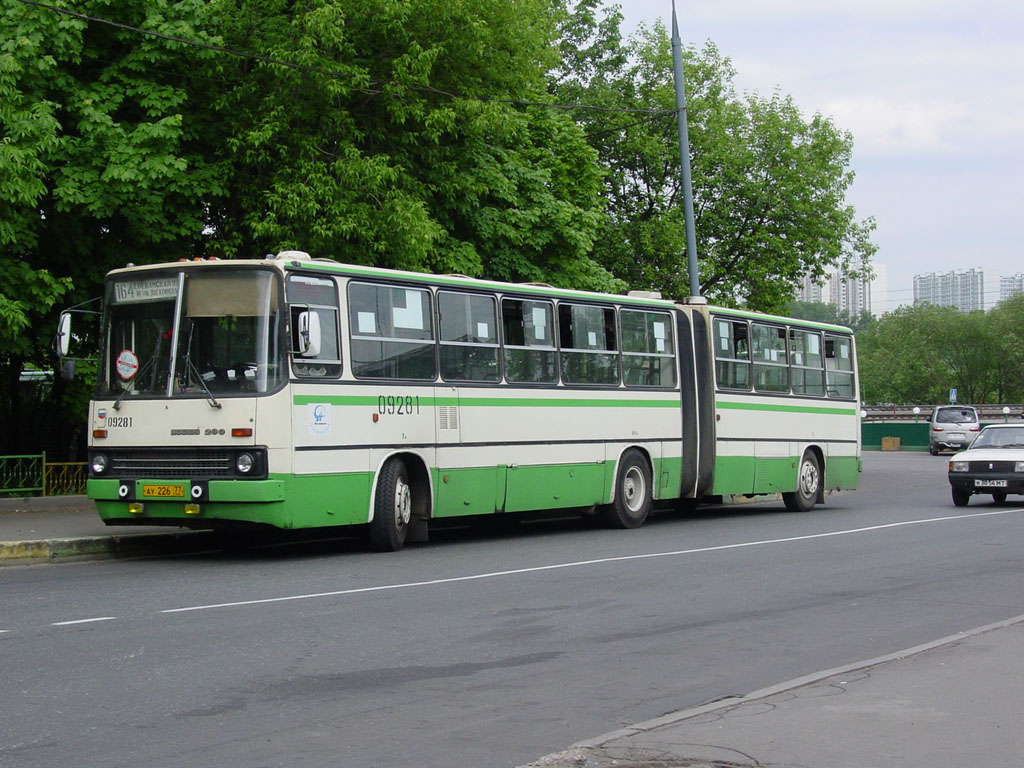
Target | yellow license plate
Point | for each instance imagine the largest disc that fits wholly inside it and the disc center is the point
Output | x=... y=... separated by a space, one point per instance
x=164 y=491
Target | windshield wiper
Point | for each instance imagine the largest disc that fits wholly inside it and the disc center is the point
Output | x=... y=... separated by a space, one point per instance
x=190 y=367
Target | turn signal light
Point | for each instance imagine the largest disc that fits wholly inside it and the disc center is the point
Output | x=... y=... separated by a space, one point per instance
x=99 y=433
x=135 y=508
x=191 y=509
x=241 y=432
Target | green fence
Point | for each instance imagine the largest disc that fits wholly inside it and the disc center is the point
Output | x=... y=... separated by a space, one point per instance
x=913 y=436
x=33 y=475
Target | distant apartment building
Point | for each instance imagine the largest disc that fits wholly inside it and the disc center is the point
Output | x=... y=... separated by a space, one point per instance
x=1011 y=285
x=850 y=294
x=963 y=289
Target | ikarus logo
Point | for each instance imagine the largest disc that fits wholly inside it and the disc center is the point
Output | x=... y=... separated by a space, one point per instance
x=319 y=418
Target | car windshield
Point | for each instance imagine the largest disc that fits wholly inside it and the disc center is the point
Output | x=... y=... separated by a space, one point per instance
x=1000 y=437
x=196 y=333
x=955 y=415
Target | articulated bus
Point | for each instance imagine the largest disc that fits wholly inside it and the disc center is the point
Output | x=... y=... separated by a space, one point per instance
x=299 y=393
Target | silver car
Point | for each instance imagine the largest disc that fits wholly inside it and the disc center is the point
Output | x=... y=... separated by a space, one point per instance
x=952 y=427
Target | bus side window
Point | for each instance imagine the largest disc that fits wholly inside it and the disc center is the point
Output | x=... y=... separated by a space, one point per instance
x=392 y=332
x=648 y=353
x=588 y=344
x=469 y=337
x=318 y=295
x=839 y=366
x=529 y=341
x=732 y=354
x=771 y=367
x=806 y=362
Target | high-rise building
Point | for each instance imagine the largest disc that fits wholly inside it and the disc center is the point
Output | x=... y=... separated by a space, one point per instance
x=853 y=295
x=963 y=289
x=1011 y=285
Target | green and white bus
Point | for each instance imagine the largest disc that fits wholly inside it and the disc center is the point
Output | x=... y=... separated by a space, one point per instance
x=300 y=393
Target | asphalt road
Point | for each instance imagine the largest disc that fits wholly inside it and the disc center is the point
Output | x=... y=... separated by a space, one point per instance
x=484 y=649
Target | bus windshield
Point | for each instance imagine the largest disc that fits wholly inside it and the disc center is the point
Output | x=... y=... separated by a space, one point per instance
x=192 y=334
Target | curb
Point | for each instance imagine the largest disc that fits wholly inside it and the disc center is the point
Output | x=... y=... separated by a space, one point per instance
x=125 y=545
x=816 y=677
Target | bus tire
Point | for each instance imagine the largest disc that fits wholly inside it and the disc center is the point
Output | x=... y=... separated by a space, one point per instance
x=392 y=509
x=632 y=500
x=808 y=484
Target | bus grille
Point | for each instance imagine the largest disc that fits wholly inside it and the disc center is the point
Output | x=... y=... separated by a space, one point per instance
x=201 y=462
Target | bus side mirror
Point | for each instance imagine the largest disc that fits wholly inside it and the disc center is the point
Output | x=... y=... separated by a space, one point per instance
x=308 y=324
x=62 y=343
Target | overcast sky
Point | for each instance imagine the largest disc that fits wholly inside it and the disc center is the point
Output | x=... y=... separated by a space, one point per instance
x=933 y=93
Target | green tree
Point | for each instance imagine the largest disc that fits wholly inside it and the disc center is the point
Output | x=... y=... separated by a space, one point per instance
x=1007 y=365
x=769 y=185
x=917 y=354
x=397 y=134
x=828 y=313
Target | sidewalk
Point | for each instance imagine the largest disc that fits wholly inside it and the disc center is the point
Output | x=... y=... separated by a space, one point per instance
x=44 y=528
x=956 y=702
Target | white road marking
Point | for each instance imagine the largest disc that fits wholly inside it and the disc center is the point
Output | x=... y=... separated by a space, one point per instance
x=582 y=563
x=82 y=621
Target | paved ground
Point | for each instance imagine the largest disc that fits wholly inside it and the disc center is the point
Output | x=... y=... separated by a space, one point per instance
x=954 y=702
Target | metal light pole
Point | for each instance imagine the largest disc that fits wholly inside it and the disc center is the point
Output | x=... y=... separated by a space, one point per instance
x=684 y=155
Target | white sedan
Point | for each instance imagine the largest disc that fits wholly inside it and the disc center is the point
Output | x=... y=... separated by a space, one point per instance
x=992 y=464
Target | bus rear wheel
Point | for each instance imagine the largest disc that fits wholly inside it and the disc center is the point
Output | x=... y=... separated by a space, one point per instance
x=392 y=509
x=632 y=500
x=808 y=483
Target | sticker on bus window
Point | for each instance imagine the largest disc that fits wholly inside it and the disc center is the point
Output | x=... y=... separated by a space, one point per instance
x=483 y=331
x=367 y=322
x=540 y=321
x=592 y=338
x=411 y=315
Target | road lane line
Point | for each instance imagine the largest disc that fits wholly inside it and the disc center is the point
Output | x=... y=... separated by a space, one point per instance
x=582 y=563
x=82 y=621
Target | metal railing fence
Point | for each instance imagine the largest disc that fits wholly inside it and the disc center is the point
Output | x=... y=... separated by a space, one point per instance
x=33 y=475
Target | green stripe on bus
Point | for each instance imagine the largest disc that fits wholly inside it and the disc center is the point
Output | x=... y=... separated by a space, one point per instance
x=490 y=402
x=729 y=406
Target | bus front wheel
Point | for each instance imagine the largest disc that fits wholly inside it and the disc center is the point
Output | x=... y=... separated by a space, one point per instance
x=808 y=483
x=392 y=509
x=632 y=500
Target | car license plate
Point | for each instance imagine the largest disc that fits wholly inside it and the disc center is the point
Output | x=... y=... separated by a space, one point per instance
x=989 y=483
x=164 y=491
x=956 y=436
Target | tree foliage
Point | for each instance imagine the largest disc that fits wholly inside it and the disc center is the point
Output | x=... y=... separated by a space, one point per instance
x=828 y=313
x=769 y=185
x=917 y=354
x=408 y=135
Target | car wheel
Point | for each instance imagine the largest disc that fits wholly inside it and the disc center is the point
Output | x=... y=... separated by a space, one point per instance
x=933 y=450
x=808 y=481
x=999 y=498
x=961 y=498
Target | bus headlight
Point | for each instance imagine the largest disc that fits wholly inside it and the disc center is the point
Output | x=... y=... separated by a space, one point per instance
x=99 y=464
x=244 y=463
